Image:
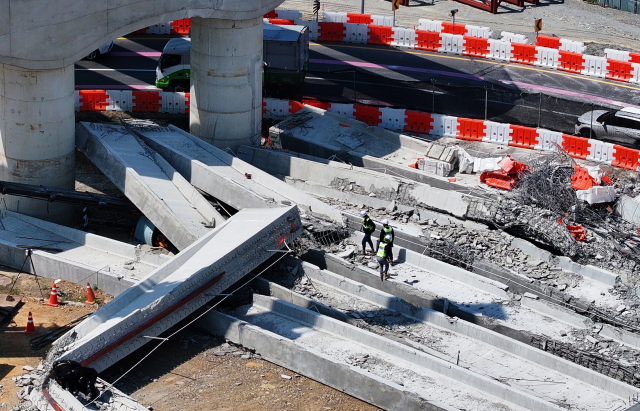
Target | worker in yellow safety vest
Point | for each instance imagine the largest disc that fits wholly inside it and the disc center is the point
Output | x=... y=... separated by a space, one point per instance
x=384 y=250
x=388 y=231
x=368 y=228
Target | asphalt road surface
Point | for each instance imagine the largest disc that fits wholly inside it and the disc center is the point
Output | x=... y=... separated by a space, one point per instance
x=414 y=79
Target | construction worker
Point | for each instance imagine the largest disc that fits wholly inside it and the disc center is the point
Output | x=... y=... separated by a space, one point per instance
x=388 y=231
x=384 y=250
x=368 y=228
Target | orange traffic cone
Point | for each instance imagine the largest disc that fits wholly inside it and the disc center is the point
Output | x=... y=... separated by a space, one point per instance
x=91 y=298
x=53 y=298
x=31 y=329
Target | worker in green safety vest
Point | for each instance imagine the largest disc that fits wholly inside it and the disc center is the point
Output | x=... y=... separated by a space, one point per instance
x=368 y=227
x=384 y=251
x=388 y=231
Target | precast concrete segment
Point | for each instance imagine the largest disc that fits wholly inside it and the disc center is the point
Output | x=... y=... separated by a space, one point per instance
x=152 y=185
x=37 y=123
x=36 y=34
x=226 y=81
x=226 y=177
x=182 y=285
x=111 y=265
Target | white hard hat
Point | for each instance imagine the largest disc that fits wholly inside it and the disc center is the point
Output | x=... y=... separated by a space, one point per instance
x=387 y=237
x=363 y=213
x=385 y=222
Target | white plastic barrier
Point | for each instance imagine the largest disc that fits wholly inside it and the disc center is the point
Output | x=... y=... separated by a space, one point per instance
x=404 y=37
x=314 y=29
x=393 y=118
x=600 y=151
x=477 y=31
x=382 y=20
x=547 y=57
x=333 y=17
x=635 y=73
x=160 y=28
x=430 y=25
x=497 y=133
x=594 y=195
x=342 y=109
x=514 y=38
x=451 y=43
x=77 y=100
x=442 y=125
x=356 y=33
x=119 y=100
x=500 y=50
x=289 y=14
x=595 y=66
x=572 y=46
x=548 y=139
x=276 y=108
x=617 y=55
x=172 y=102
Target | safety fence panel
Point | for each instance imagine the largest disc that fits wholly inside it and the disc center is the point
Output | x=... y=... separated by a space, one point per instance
x=172 y=102
x=119 y=100
x=428 y=40
x=282 y=22
x=403 y=37
x=619 y=55
x=500 y=50
x=316 y=103
x=571 y=62
x=369 y=115
x=470 y=129
x=547 y=57
x=356 y=33
x=146 y=101
x=635 y=73
x=451 y=43
x=345 y=110
x=577 y=147
x=595 y=66
x=418 y=122
x=634 y=57
x=626 y=158
x=442 y=125
x=523 y=53
x=477 y=31
x=523 y=137
x=359 y=18
x=496 y=133
x=314 y=28
x=548 y=140
x=393 y=118
x=181 y=27
x=382 y=20
x=333 y=17
x=548 y=41
x=601 y=151
x=331 y=32
x=430 y=25
x=475 y=46
x=160 y=28
x=289 y=14
x=382 y=35
x=514 y=38
x=93 y=100
x=618 y=70
x=449 y=28
x=572 y=46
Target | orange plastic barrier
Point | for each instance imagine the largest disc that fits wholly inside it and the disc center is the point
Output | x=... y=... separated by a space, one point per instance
x=634 y=57
x=181 y=27
x=271 y=15
x=141 y=31
x=525 y=137
x=618 y=70
x=475 y=46
x=282 y=22
x=447 y=27
x=581 y=179
x=577 y=231
x=187 y=98
x=295 y=106
x=428 y=40
x=498 y=179
x=548 y=41
x=571 y=62
x=577 y=147
x=93 y=100
x=380 y=35
x=523 y=53
x=469 y=129
x=146 y=101
x=366 y=114
x=625 y=157
x=418 y=122
x=316 y=103
x=359 y=18
x=331 y=32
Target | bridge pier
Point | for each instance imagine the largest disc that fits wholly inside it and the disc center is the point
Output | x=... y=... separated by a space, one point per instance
x=37 y=134
x=226 y=81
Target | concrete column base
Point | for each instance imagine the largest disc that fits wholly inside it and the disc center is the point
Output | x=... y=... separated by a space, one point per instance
x=37 y=131
x=226 y=81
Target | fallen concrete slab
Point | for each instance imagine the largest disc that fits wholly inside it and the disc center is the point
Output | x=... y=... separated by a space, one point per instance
x=226 y=177
x=152 y=185
x=111 y=265
x=175 y=290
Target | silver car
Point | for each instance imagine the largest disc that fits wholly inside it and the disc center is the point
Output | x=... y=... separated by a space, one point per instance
x=102 y=50
x=619 y=126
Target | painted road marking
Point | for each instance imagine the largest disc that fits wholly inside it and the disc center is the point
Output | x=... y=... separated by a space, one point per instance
x=101 y=69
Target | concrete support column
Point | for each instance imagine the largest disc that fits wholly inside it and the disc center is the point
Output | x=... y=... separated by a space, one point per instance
x=37 y=136
x=226 y=81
